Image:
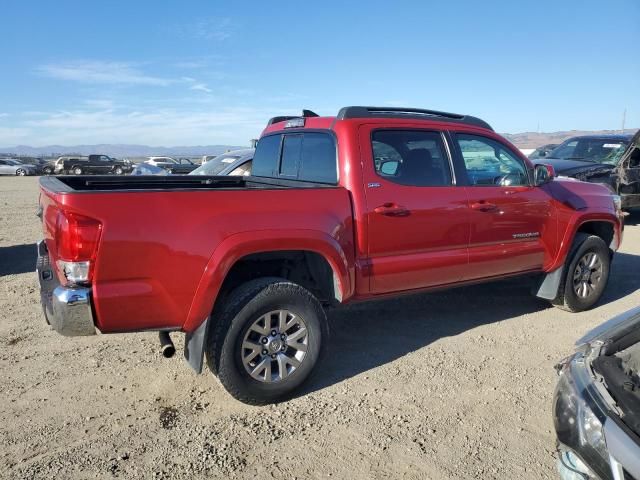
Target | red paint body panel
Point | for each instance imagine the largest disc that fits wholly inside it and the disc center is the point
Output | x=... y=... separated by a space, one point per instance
x=163 y=255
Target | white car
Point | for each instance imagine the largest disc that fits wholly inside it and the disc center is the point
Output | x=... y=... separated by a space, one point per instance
x=160 y=161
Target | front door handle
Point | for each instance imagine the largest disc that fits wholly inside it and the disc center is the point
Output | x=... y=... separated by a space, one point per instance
x=391 y=210
x=484 y=206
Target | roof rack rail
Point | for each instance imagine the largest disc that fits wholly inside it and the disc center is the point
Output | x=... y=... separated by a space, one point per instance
x=396 y=112
x=305 y=114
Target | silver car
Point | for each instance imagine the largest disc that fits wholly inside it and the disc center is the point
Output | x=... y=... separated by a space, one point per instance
x=596 y=406
x=9 y=166
x=235 y=163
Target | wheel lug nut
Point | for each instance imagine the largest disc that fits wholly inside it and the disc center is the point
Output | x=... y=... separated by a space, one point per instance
x=264 y=340
x=273 y=333
x=264 y=352
x=284 y=347
x=283 y=336
x=273 y=356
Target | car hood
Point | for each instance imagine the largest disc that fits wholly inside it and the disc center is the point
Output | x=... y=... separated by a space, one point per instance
x=569 y=167
x=612 y=331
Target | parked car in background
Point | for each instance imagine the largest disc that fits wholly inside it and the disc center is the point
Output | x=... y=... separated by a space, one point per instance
x=596 y=406
x=49 y=167
x=542 y=152
x=370 y=203
x=613 y=160
x=170 y=164
x=148 y=169
x=11 y=166
x=236 y=163
x=91 y=165
x=38 y=163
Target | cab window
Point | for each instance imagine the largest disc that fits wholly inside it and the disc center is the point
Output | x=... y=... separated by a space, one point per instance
x=306 y=156
x=411 y=157
x=490 y=163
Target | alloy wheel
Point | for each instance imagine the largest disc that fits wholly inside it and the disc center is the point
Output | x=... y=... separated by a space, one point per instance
x=274 y=346
x=587 y=275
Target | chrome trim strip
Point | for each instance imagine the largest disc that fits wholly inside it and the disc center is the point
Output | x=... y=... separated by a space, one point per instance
x=454 y=181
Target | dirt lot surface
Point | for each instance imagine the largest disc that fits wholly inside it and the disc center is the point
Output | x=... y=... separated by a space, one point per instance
x=444 y=386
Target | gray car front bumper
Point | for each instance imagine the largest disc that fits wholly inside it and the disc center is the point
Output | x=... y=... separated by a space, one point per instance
x=67 y=309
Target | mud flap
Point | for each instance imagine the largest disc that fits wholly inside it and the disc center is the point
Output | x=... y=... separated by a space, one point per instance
x=194 y=346
x=550 y=284
x=548 y=288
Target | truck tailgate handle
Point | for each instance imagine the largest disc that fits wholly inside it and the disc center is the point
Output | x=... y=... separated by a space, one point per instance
x=392 y=210
x=484 y=206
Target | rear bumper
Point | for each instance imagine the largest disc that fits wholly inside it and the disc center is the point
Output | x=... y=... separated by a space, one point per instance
x=67 y=309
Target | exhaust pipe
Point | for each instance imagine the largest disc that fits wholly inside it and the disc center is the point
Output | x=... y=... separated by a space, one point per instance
x=166 y=345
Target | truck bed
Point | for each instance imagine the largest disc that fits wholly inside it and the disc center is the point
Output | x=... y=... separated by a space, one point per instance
x=161 y=236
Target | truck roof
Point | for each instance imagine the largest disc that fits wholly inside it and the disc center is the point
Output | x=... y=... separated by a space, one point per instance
x=309 y=119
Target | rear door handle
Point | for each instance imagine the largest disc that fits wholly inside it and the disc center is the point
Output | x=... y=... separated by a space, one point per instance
x=484 y=206
x=391 y=210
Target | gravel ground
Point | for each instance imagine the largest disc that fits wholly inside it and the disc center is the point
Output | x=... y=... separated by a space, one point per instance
x=445 y=386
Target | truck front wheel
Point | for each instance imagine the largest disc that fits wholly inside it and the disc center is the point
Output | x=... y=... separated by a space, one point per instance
x=266 y=339
x=586 y=275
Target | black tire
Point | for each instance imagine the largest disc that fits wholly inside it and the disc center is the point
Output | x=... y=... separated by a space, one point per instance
x=47 y=170
x=77 y=170
x=21 y=172
x=232 y=321
x=118 y=171
x=568 y=299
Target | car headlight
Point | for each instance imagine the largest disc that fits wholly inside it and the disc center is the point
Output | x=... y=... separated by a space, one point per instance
x=577 y=418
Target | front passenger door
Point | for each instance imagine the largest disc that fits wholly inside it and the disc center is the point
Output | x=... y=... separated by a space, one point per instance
x=509 y=216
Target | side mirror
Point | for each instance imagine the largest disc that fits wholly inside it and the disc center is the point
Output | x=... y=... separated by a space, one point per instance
x=389 y=167
x=543 y=173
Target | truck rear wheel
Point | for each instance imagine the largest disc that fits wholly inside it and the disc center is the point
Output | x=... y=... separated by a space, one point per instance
x=585 y=276
x=77 y=170
x=266 y=339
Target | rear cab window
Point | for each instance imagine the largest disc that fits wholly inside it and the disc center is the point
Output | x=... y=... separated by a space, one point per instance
x=299 y=155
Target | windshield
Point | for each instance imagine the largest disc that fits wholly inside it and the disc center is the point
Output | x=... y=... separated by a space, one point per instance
x=597 y=150
x=216 y=165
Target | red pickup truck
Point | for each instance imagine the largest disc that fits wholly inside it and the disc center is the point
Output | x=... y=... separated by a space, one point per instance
x=373 y=202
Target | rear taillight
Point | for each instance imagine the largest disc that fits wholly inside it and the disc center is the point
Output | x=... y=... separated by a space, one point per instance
x=77 y=239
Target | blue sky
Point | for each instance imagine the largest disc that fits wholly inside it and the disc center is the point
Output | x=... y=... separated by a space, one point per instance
x=212 y=72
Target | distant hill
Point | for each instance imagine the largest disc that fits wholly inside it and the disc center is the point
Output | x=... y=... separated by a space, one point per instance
x=535 y=139
x=521 y=140
x=119 y=151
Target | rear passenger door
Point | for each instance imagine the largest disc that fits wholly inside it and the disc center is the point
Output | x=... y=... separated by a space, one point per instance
x=508 y=215
x=417 y=218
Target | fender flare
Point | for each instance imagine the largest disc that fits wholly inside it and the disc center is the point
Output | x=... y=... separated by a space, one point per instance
x=550 y=283
x=239 y=245
x=572 y=230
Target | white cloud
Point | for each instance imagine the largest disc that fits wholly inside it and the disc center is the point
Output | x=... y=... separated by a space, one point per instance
x=201 y=87
x=95 y=71
x=225 y=125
